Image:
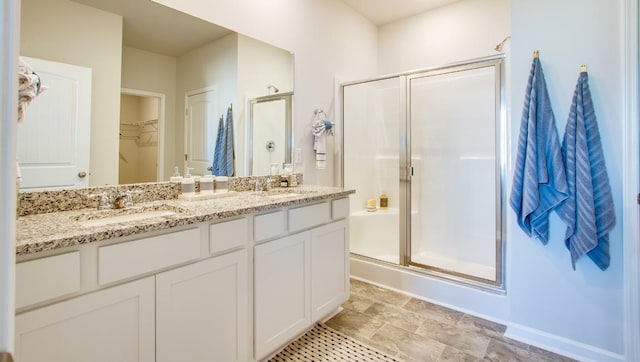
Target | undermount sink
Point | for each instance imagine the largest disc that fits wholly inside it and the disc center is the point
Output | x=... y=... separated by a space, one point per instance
x=108 y=217
x=283 y=193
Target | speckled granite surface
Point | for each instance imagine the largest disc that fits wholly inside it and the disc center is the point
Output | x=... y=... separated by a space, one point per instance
x=48 y=231
x=41 y=202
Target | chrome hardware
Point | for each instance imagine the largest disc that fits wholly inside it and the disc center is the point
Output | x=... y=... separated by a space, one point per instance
x=82 y=174
x=210 y=168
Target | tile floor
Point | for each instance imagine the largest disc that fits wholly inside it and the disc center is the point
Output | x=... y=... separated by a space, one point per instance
x=414 y=330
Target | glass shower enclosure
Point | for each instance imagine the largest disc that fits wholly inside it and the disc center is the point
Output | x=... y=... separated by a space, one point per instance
x=433 y=142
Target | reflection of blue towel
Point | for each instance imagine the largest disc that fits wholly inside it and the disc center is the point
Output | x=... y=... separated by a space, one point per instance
x=229 y=153
x=217 y=155
x=539 y=181
x=589 y=209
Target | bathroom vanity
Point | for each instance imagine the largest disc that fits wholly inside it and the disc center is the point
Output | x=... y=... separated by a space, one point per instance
x=229 y=279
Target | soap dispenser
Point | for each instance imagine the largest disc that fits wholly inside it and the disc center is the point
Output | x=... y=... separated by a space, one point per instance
x=188 y=184
x=176 y=175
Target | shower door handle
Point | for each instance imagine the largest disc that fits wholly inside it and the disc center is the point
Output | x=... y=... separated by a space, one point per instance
x=410 y=171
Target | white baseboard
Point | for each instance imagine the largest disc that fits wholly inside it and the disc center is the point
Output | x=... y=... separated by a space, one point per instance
x=560 y=345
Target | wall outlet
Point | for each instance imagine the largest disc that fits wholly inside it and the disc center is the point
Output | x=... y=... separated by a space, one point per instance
x=297 y=155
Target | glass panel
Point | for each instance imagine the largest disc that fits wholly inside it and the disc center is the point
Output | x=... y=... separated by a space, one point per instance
x=269 y=141
x=453 y=190
x=371 y=148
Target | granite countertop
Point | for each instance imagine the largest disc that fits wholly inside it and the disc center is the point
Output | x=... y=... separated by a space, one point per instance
x=42 y=232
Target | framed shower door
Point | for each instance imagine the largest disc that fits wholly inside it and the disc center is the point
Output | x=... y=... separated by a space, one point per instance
x=455 y=184
x=372 y=118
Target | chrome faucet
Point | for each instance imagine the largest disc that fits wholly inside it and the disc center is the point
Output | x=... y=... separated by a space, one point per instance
x=120 y=200
x=263 y=185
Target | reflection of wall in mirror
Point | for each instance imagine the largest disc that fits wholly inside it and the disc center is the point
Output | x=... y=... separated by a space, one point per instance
x=71 y=33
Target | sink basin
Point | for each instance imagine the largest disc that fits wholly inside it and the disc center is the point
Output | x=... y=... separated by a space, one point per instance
x=107 y=217
x=282 y=195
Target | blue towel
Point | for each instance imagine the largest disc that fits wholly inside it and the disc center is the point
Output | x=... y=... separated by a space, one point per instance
x=228 y=153
x=589 y=210
x=217 y=154
x=539 y=180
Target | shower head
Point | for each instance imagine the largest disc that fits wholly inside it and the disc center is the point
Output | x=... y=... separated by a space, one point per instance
x=275 y=89
x=500 y=45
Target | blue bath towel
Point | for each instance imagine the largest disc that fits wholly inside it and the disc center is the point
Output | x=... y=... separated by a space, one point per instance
x=589 y=209
x=217 y=154
x=228 y=153
x=539 y=180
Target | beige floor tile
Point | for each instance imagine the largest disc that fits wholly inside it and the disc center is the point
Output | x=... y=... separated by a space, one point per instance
x=544 y=355
x=456 y=355
x=358 y=302
x=355 y=324
x=406 y=345
x=479 y=325
x=499 y=351
x=471 y=343
x=433 y=311
x=394 y=315
x=379 y=294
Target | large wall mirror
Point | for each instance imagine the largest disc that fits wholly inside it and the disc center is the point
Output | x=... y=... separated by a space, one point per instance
x=153 y=84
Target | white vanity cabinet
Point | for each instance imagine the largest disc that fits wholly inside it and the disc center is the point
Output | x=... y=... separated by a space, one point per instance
x=236 y=289
x=301 y=278
x=282 y=291
x=202 y=310
x=113 y=324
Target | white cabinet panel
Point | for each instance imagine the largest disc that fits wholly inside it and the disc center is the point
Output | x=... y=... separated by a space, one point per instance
x=329 y=268
x=47 y=278
x=309 y=216
x=228 y=235
x=115 y=324
x=268 y=226
x=202 y=311
x=282 y=291
x=126 y=260
x=340 y=208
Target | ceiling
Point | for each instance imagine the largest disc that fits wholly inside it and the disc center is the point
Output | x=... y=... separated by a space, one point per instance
x=381 y=12
x=155 y=28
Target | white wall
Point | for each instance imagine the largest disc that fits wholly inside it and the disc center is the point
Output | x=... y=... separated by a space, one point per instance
x=259 y=65
x=67 y=32
x=552 y=304
x=213 y=64
x=463 y=30
x=328 y=39
x=142 y=70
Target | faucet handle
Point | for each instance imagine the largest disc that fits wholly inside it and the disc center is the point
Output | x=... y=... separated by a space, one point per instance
x=104 y=200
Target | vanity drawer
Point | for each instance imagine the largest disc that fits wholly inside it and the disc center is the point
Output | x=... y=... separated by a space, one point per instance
x=309 y=216
x=126 y=260
x=339 y=208
x=228 y=235
x=269 y=225
x=47 y=278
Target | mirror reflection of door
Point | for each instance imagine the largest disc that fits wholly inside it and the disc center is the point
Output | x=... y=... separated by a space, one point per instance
x=54 y=138
x=201 y=120
x=140 y=120
x=270 y=132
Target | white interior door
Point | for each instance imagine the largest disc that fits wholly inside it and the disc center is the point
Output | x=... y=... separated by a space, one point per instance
x=54 y=138
x=201 y=130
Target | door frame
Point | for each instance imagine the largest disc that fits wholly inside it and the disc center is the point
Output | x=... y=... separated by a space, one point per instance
x=630 y=183
x=10 y=40
x=161 y=122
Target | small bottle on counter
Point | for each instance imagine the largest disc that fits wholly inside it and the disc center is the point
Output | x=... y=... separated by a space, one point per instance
x=384 y=201
x=176 y=175
x=206 y=185
x=371 y=205
x=222 y=183
x=284 y=181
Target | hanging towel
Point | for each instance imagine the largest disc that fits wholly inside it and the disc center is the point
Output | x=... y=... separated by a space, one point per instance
x=320 y=128
x=539 y=180
x=589 y=208
x=229 y=152
x=217 y=153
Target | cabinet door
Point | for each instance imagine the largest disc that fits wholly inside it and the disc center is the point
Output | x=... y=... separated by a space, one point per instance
x=115 y=324
x=282 y=291
x=329 y=268
x=202 y=311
